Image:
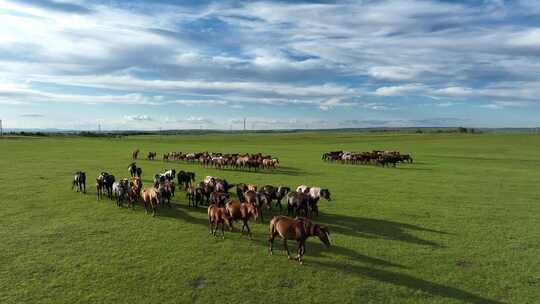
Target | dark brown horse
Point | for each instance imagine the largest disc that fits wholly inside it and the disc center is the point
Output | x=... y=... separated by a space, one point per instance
x=298 y=229
x=218 y=216
x=242 y=211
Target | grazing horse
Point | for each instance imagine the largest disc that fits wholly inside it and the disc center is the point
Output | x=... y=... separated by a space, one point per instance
x=135 y=154
x=298 y=229
x=242 y=211
x=79 y=182
x=150 y=196
x=120 y=189
x=218 y=216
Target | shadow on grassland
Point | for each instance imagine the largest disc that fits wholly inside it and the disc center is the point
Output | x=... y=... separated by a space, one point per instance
x=284 y=170
x=404 y=280
x=376 y=228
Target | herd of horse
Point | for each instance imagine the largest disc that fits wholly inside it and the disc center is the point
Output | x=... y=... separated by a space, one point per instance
x=222 y=208
x=218 y=160
x=376 y=157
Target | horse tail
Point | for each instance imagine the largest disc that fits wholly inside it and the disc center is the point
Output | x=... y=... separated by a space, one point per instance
x=272 y=226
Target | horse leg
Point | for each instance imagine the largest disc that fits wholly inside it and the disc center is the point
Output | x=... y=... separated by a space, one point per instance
x=298 y=256
x=210 y=225
x=301 y=251
x=271 y=237
x=286 y=248
x=249 y=230
x=223 y=229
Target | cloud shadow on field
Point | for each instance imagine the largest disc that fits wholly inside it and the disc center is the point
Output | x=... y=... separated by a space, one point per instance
x=376 y=228
x=405 y=280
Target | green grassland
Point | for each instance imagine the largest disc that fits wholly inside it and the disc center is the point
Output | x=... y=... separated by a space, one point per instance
x=460 y=225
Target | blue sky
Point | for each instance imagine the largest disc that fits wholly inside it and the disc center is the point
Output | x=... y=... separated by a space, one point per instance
x=283 y=64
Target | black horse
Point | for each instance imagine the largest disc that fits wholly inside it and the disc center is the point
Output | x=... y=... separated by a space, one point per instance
x=79 y=181
x=185 y=179
x=134 y=170
x=276 y=193
x=106 y=181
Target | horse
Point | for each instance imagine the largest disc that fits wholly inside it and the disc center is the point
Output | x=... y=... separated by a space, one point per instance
x=240 y=190
x=218 y=198
x=165 y=193
x=100 y=186
x=151 y=155
x=276 y=193
x=79 y=182
x=218 y=216
x=106 y=182
x=150 y=196
x=194 y=196
x=242 y=211
x=134 y=191
x=185 y=178
x=135 y=154
x=132 y=168
x=120 y=191
x=297 y=202
x=222 y=185
x=298 y=229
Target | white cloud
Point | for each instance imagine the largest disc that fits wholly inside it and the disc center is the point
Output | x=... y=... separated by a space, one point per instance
x=400 y=90
x=138 y=117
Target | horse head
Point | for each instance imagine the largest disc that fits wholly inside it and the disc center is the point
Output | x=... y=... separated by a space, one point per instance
x=326 y=194
x=323 y=233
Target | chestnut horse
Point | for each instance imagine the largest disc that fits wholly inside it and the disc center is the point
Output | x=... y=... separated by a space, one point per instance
x=134 y=191
x=242 y=211
x=298 y=229
x=218 y=216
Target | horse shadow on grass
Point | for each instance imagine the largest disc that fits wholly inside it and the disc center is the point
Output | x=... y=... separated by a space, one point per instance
x=178 y=211
x=315 y=249
x=404 y=280
x=376 y=228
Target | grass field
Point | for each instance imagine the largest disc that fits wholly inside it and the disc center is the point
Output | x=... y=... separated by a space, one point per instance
x=461 y=225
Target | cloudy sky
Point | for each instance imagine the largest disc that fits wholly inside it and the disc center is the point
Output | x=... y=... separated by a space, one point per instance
x=283 y=64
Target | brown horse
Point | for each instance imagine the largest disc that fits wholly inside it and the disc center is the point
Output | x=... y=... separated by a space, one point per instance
x=218 y=216
x=298 y=229
x=242 y=211
x=134 y=192
x=150 y=196
x=135 y=154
